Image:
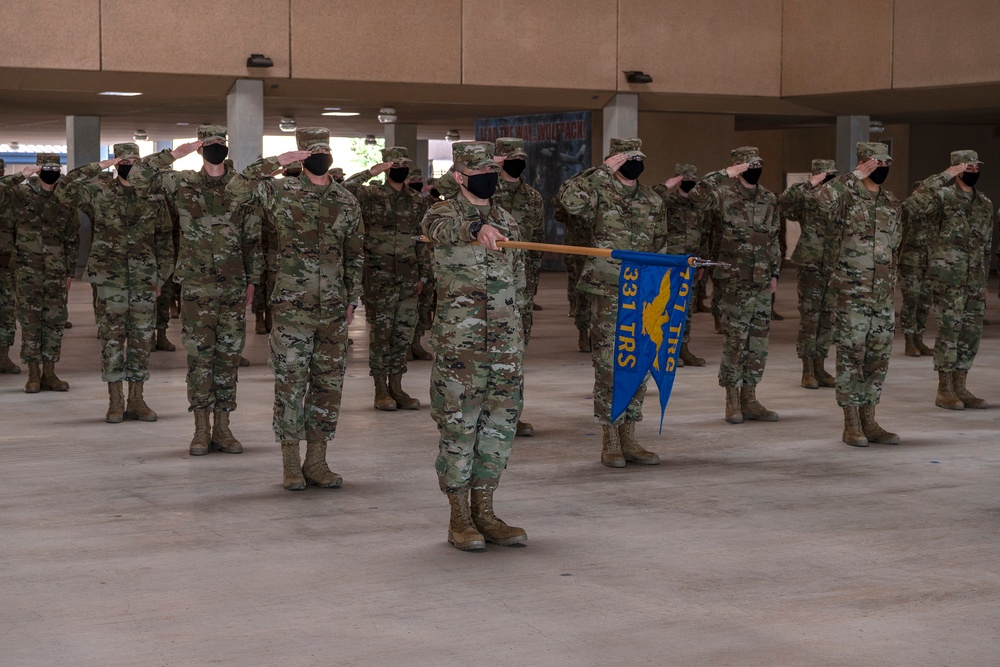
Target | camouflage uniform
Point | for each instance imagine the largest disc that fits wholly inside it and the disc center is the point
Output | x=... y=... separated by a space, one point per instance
x=919 y=231
x=477 y=377
x=958 y=270
x=396 y=265
x=47 y=244
x=261 y=307
x=218 y=258
x=749 y=242
x=8 y=305
x=319 y=258
x=864 y=280
x=625 y=218
x=687 y=234
x=170 y=292
x=798 y=203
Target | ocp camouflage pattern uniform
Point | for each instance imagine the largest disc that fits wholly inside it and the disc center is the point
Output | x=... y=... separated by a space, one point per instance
x=957 y=267
x=265 y=284
x=319 y=258
x=917 y=289
x=8 y=304
x=578 y=233
x=170 y=292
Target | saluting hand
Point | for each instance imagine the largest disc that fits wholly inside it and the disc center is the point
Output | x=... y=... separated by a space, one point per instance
x=186 y=149
x=737 y=169
x=616 y=161
x=865 y=169
x=104 y=164
x=488 y=237
x=957 y=169
x=380 y=167
x=31 y=170
x=288 y=158
x=672 y=182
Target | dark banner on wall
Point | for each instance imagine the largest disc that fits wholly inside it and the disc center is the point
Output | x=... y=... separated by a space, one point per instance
x=558 y=146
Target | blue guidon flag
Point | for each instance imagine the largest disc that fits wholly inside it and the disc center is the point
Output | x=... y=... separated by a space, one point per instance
x=654 y=291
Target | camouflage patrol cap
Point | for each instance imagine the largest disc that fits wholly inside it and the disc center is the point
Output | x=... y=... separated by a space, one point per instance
x=823 y=166
x=873 y=149
x=312 y=138
x=511 y=147
x=963 y=157
x=126 y=151
x=746 y=154
x=336 y=172
x=632 y=148
x=475 y=154
x=685 y=170
x=48 y=160
x=212 y=134
x=396 y=155
x=415 y=174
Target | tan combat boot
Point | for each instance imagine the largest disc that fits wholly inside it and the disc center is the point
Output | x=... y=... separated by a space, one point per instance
x=583 y=342
x=491 y=527
x=418 y=351
x=34 y=383
x=968 y=399
x=116 y=403
x=524 y=430
x=462 y=534
x=946 y=397
x=718 y=323
x=223 y=439
x=6 y=365
x=873 y=432
x=751 y=407
x=137 y=408
x=631 y=449
x=202 y=433
x=403 y=400
x=611 y=449
x=822 y=377
x=688 y=358
x=809 y=380
x=383 y=401
x=853 y=435
x=909 y=347
x=315 y=469
x=734 y=415
x=260 y=326
x=292 y=478
x=162 y=343
x=50 y=381
x=918 y=341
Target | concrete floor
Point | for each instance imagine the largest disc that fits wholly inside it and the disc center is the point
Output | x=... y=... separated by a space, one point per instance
x=759 y=544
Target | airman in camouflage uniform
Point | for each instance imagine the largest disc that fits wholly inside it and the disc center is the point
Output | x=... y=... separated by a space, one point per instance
x=217 y=264
x=916 y=286
x=8 y=304
x=336 y=173
x=627 y=216
x=957 y=266
x=319 y=253
x=579 y=232
x=130 y=257
x=47 y=242
x=397 y=267
x=864 y=280
x=477 y=377
x=168 y=302
x=524 y=203
x=687 y=234
x=749 y=243
x=798 y=203
x=415 y=180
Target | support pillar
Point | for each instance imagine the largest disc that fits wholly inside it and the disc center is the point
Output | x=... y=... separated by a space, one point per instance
x=404 y=135
x=850 y=130
x=83 y=146
x=421 y=158
x=621 y=119
x=245 y=121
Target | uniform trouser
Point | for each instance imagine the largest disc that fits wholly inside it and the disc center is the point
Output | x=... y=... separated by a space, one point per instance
x=747 y=307
x=863 y=335
x=701 y=286
x=309 y=358
x=8 y=305
x=475 y=400
x=959 y=311
x=392 y=310
x=167 y=294
x=426 y=303
x=718 y=288
x=602 y=353
x=126 y=324
x=574 y=267
x=41 y=311
x=815 y=314
x=262 y=291
x=532 y=272
x=213 y=333
x=918 y=296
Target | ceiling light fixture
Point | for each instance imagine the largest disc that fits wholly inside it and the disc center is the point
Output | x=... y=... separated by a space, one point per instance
x=183 y=124
x=341 y=113
x=452 y=135
x=876 y=127
x=119 y=93
x=386 y=115
x=140 y=135
x=287 y=125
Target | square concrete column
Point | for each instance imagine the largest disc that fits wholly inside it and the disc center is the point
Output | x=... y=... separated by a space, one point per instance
x=850 y=130
x=245 y=121
x=621 y=119
x=83 y=146
x=404 y=135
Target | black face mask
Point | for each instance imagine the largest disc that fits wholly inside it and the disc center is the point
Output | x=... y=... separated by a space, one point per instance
x=339 y=180
x=435 y=193
x=215 y=153
x=687 y=186
x=49 y=176
x=482 y=185
x=416 y=185
x=318 y=164
x=398 y=174
x=514 y=167
x=123 y=170
x=631 y=169
x=879 y=175
x=752 y=175
x=969 y=178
